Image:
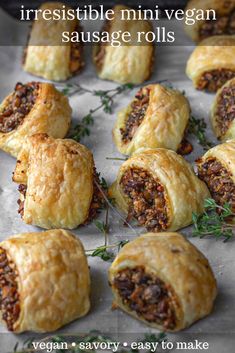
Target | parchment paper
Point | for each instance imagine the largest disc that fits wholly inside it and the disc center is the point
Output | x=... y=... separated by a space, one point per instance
x=219 y=328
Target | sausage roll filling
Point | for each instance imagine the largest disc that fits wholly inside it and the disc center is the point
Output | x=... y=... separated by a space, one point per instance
x=9 y=296
x=139 y=107
x=223 y=25
x=147 y=295
x=225 y=113
x=22 y=189
x=18 y=106
x=214 y=79
x=146 y=196
x=98 y=201
x=219 y=181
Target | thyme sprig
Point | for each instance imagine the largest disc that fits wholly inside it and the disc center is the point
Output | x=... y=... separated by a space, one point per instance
x=214 y=221
x=106 y=102
x=73 y=343
x=197 y=127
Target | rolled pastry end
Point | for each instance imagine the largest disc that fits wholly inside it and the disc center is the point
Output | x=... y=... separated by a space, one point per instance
x=219 y=180
x=9 y=293
x=223 y=112
x=222 y=24
x=212 y=80
x=18 y=105
x=147 y=199
x=44 y=281
x=211 y=64
x=72 y=197
x=163 y=280
x=156 y=118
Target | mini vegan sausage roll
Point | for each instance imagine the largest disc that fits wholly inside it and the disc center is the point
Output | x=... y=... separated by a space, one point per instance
x=212 y=63
x=217 y=169
x=157 y=117
x=45 y=55
x=44 y=281
x=34 y=107
x=163 y=280
x=128 y=63
x=224 y=23
x=159 y=189
x=223 y=112
x=58 y=183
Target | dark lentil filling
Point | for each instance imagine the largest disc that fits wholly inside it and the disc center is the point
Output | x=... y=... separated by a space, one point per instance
x=223 y=25
x=98 y=201
x=213 y=80
x=147 y=199
x=22 y=189
x=139 y=107
x=225 y=113
x=76 y=60
x=185 y=147
x=148 y=296
x=18 y=106
x=9 y=296
x=219 y=181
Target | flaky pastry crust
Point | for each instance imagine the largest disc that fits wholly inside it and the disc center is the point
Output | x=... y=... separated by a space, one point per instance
x=213 y=53
x=185 y=193
x=59 y=177
x=230 y=132
x=50 y=114
x=128 y=63
x=225 y=154
x=179 y=264
x=53 y=279
x=164 y=122
x=45 y=55
x=221 y=7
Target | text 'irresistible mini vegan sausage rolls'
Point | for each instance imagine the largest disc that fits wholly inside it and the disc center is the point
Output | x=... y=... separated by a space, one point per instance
x=58 y=183
x=163 y=280
x=157 y=117
x=44 y=281
x=159 y=189
x=34 y=107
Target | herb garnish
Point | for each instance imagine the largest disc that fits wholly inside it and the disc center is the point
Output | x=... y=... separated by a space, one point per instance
x=197 y=127
x=106 y=102
x=214 y=221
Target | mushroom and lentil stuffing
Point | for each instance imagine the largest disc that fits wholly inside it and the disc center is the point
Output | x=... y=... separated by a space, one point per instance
x=159 y=190
x=163 y=280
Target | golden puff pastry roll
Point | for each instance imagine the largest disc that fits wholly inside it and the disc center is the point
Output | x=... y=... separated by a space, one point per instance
x=156 y=117
x=44 y=281
x=130 y=62
x=163 y=280
x=159 y=189
x=212 y=63
x=217 y=169
x=205 y=25
x=223 y=112
x=58 y=183
x=45 y=55
x=34 y=107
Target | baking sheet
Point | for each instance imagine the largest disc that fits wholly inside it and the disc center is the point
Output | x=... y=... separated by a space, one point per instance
x=219 y=327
